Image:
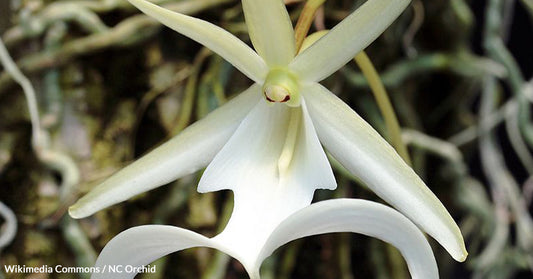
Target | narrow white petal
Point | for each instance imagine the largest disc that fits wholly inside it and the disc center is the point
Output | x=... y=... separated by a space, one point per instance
x=270 y=30
x=215 y=38
x=346 y=39
x=186 y=153
x=362 y=151
x=10 y=229
x=139 y=246
x=359 y=216
x=267 y=186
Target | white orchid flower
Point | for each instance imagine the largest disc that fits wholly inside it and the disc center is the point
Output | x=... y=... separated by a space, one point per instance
x=264 y=145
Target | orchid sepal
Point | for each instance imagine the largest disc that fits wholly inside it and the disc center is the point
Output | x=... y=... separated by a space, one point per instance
x=186 y=153
x=215 y=38
x=363 y=152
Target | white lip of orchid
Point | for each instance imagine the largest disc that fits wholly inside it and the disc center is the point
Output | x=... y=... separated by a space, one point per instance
x=142 y=245
x=295 y=165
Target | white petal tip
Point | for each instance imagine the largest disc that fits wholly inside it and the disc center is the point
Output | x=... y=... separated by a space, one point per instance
x=76 y=212
x=461 y=257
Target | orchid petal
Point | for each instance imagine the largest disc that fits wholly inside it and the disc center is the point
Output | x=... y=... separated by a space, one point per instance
x=186 y=153
x=359 y=216
x=346 y=39
x=10 y=230
x=213 y=37
x=253 y=152
x=270 y=30
x=362 y=151
x=142 y=245
x=268 y=186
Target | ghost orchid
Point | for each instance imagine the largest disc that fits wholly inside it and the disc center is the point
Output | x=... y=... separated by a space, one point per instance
x=264 y=145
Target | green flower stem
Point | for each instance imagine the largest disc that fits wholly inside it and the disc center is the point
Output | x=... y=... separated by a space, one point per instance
x=509 y=203
x=84 y=14
x=216 y=269
x=463 y=12
x=463 y=64
x=174 y=202
x=370 y=73
x=496 y=49
x=344 y=243
x=38 y=24
x=289 y=259
x=79 y=243
x=528 y=4
x=305 y=20
x=518 y=125
x=384 y=104
x=55 y=160
x=187 y=106
x=12 y=71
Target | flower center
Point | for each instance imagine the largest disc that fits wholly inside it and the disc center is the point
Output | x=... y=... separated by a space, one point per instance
x=281 y=86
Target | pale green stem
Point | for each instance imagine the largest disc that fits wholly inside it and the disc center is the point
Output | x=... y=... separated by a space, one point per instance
x=436 y=146
x=344 y=240
x=289 y=259
x=79 y=243
x=492 y=120
x=174 y=202
x=493 y=168
x=305 y=20
x=187 y=106
x=460 y=63
x=128 y=32
x=510 y=204
x=53 y=159
x=496 y=49
x=416 y=23
x=384 y=104
x=11 y=68
x=219 y=261
x=463 y=12
x=515 y=137
x=528 y=4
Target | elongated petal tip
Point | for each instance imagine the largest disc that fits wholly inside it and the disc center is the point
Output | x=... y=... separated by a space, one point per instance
x=270 y=30
x=461 y=254
x=76 y=211
x=359 y=216
x=346 y=39
x=463 y=257
x=139 y=246
x=362 y=151
x=213 y=37
x=186 y=153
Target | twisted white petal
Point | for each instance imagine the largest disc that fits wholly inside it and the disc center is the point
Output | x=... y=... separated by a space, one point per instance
x=215 y=38
x=358 y=216
x=362 y=151
x=270 y=30
x=346 y=39
x=142 y=245
x=186 y=153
